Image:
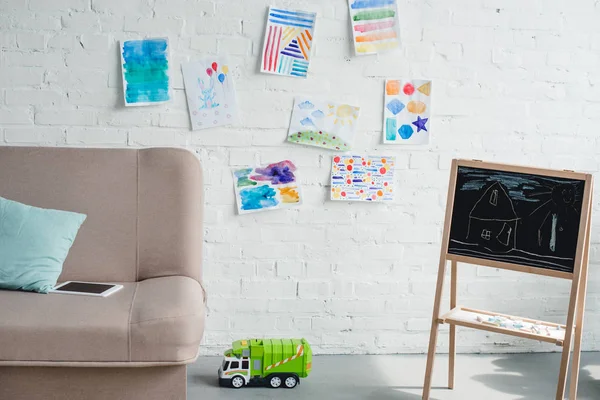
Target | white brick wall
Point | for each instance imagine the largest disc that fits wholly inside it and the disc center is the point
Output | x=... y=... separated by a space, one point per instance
x=514 y=81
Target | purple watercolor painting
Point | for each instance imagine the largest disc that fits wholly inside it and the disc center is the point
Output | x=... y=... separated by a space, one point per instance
x=278 y=173
x=268 y=187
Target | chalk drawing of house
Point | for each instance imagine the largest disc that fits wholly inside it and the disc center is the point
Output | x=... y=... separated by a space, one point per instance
x=493 y=220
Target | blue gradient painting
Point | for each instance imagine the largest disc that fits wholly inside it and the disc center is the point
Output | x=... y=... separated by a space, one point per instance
x=145 y=66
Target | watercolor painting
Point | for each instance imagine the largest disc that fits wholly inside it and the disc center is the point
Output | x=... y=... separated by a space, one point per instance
x=272 y=187
x=362 y=178
x=375 y=25
x=323 y=124
x=145 y=70
x=210 y=93
x=407 y=112
x=288 y=42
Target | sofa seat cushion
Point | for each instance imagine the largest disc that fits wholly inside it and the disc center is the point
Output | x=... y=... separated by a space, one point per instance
x=156 y=320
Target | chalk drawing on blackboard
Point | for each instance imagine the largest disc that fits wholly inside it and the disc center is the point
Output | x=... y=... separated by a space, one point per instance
x=517 y=218
x=493 y=220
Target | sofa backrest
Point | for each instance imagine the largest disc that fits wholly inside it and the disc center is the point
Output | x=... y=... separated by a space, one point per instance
x=144 y=207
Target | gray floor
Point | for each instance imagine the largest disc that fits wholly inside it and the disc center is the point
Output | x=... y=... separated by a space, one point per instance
x=400 y=377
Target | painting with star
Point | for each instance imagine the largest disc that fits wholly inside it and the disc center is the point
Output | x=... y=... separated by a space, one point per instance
x=407 y=112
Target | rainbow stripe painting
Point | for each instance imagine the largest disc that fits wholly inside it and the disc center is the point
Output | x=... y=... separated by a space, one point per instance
x=145 y=67
x=288 y=42
x=375 y=25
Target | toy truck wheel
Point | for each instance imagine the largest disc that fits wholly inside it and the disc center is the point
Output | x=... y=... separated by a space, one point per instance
x=274 y=381
x=237 y=382
x=290 y=382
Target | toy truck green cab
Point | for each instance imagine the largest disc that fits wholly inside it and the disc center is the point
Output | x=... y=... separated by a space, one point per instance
x=266 y=362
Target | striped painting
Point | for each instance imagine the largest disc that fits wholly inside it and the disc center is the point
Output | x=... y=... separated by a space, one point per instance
x=288 y=42
x=375 y=25
x=145 y=67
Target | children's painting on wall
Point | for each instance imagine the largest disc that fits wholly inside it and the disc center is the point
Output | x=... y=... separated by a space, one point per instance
x=375 y=25
x=362 y=178
x=323 y=124
x=267 y=188
x=288 y=42
x=407 y=112
x=145 y=70
x=210 y=93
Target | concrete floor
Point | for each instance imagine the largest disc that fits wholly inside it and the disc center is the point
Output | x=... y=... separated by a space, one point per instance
x=400 y=377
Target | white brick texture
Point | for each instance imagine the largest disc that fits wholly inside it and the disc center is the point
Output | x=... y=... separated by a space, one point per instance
x=515 y=81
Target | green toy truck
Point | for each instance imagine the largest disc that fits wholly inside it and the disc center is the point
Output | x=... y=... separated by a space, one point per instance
x=266 y=362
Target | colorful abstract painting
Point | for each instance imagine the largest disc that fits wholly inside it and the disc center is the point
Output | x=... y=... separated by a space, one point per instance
x=362 y=178
x=288 y=42
x=145 y=68
x=375 y=25
x=267 y=188
x=407 y=113
x=210 y=93
x=323 y=124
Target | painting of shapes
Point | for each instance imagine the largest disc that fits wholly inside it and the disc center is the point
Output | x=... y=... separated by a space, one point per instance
x=145 y=68
x=210 y=93
x=288 y=42
x=323 y=124
x=267 y=188
x=407 y=112
x=362 y=178
x=375 y=25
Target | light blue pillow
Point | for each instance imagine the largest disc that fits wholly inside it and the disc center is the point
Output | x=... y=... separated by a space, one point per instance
x=34 y=243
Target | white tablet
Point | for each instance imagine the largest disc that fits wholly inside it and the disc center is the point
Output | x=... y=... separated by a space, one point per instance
x=87 y=288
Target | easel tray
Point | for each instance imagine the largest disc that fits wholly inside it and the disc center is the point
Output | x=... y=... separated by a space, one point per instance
x=488 y=321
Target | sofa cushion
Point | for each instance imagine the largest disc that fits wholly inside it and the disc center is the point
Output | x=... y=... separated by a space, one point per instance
x=34 y=243
x=156 y=320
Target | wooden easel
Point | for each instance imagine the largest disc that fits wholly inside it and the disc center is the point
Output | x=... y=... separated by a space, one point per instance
x=574 y=325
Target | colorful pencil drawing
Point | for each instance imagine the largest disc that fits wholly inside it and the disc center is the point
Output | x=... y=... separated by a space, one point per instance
x=145 y=70
x=288 y=42
x=375 y=25
x=407 y=112
x=362 y=178
x=210 y=93
x=323 y=124
x=267 y=188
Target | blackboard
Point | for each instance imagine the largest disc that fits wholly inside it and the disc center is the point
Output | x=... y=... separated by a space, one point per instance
x=516 y=218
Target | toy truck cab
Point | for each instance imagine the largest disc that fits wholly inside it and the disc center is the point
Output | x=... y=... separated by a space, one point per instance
x=234 y=370
x=266 y=362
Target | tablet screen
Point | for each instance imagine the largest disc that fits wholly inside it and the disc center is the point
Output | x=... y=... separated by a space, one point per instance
x=83 y=287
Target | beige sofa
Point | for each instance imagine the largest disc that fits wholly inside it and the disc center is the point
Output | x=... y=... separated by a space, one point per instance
x=144 y=229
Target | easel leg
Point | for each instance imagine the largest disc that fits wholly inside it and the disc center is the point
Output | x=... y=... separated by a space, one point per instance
x=579 y=321
x=566 y=353
x=452 y=350
x=434 y=328
x=577 y=350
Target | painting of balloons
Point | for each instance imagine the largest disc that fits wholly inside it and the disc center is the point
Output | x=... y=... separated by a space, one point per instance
x=210 y=93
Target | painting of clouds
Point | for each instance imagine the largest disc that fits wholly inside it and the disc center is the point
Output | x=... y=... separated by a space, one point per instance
x=324 y=124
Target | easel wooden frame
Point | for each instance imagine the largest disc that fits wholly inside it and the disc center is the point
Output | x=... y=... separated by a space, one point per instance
x=574 y=325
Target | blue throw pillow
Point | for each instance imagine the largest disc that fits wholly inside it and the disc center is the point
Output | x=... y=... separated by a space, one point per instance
x=34 y=243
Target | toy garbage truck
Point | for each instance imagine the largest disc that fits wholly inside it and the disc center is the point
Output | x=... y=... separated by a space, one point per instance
x=266 y=362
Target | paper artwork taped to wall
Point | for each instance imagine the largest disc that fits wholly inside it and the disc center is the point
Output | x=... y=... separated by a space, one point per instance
x=362 y=178
x=267 y=188
x=323 y=124
x=288 y=42
x=145 y=70
x=407 y=112
x=210 y=93
x=375 y=25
